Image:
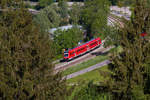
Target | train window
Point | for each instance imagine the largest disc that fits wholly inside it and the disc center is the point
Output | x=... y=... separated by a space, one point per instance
x=79 y=50
x=66 y=55
x=93 y=43
x=72 y=53
x=82 y=49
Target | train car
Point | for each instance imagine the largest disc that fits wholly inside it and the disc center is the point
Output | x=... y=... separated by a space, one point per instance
x=79 y=50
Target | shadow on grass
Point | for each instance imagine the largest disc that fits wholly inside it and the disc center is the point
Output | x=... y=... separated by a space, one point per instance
x=111 y=67
x=100 y=53
x=62 y=60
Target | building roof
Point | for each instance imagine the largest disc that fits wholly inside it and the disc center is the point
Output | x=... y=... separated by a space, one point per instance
x=64 y=28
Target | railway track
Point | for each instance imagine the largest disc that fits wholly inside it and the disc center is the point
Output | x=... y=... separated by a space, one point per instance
x=116 y=21
x=81 y=59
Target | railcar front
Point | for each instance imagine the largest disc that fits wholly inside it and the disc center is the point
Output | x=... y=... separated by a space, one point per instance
x=66 y=55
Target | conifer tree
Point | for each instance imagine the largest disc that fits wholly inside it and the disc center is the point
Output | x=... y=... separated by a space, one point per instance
x=130 y=67
x=26 y=72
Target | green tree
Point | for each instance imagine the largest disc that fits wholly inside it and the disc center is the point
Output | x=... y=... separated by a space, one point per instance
x=26 y=72
x=113 y=2
x=67 y=39
x=63 y=12
x=89 y=91
x=44 y=3
x=120 y=3
x=112 y=36
x=130 y=67
x=48 y=18
x=128 y=2
x=75 y=13
x=94 y=17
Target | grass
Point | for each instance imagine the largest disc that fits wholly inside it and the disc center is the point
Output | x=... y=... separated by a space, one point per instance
x=91 y=62
x=116 y=49
x=85 y=64
x=92 y=75
x=57 y=57
x=84 y=79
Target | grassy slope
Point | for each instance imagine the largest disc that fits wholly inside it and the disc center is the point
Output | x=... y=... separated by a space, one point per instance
x=85 y=64
x=92 y=75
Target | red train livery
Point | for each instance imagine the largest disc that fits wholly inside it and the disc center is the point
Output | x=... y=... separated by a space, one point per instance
x=72 y=53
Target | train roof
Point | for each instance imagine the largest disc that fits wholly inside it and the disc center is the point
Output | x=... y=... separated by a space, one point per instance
x=77 y=47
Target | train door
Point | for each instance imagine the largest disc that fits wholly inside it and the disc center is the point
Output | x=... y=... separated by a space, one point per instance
x=72 y=54
x=66 y=55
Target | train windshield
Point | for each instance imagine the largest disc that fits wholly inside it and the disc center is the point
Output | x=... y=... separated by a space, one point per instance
x=66 y=55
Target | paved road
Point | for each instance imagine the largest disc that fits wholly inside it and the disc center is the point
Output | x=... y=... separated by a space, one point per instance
x=87 y=69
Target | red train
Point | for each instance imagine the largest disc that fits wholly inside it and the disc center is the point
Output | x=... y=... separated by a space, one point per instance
x=79 y=50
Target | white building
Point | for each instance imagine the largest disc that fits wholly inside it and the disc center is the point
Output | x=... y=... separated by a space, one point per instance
x=123 y=10
x=62 y=28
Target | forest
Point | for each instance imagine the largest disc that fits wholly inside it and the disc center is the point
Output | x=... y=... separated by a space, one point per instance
x=28 y=49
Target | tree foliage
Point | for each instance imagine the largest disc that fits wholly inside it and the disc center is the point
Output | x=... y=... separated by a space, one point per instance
x=26 y=72
x=53 y=16
x=75 y=13
x=125 y=2
x=130 y=68
x=112 y=36
x=90 y=91
x=113 y=2
x=48 y=18
x=63 y=12
x=67 y=39
x=94 y=17
x=44 y=3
